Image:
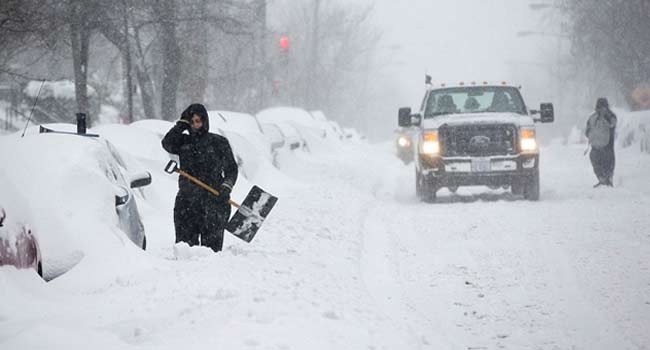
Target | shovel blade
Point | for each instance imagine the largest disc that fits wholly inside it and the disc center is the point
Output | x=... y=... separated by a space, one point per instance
x=248 y=219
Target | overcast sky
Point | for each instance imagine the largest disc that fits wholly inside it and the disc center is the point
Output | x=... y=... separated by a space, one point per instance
x=463 y=40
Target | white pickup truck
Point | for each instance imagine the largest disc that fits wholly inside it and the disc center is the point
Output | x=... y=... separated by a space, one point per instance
x=472 y=135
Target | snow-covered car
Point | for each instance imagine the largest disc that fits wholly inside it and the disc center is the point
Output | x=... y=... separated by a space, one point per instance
x=338 y=130
x=299 y=128
x=472 y=135
x=352 y=134
x=296 y=117
x=292 y=137
x=156 y=126
x=18 y=246
x=274 y=135
x=332 y=129
x=283 y=135
x=246 y=125
x=78 y=193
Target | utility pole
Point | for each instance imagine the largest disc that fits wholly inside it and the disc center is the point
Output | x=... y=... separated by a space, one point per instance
x=261 y=65
x=80 y=41
x=127 y=63
x=311 y=89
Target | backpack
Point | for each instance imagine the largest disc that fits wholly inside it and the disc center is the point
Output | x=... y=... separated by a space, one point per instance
x=599 y=131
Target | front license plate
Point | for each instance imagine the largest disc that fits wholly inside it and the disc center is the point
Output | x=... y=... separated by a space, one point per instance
x=481 y=165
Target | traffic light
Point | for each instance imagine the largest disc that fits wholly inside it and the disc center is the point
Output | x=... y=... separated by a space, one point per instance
x=284 y=43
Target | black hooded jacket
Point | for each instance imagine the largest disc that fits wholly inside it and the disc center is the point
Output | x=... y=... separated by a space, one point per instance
x=203 y=155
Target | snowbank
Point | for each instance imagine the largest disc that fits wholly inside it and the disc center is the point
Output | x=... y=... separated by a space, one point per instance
x=634 y=130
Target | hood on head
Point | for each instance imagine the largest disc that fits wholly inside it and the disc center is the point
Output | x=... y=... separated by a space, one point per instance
x=199 y=109
x=602 y=103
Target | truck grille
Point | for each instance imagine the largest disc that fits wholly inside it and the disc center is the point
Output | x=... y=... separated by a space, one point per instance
x=478 y=140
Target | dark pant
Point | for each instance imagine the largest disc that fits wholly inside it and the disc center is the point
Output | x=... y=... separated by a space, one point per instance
x=200 y=219
x=603 y=161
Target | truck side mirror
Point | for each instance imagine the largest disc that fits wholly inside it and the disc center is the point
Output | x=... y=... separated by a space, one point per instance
x=546 y=113
x=404 y=117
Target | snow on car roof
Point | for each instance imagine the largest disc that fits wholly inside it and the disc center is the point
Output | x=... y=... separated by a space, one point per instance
x=157 y=126
x=134 y=140
x=287 y=115
x=319 y=115
x=236 y=121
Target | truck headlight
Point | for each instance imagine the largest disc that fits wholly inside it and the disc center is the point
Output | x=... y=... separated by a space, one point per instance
x=403 y=141
x=430 y=144
x=528 y=142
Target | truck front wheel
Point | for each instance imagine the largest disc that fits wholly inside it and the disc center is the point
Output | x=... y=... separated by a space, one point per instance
x=531 y=187
x=425 y=190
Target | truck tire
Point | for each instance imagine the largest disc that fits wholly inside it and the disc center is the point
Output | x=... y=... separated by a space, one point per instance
x=425 y=191
x=418 y=190
x=517 y=188
x=429 y=192
x=531 y=187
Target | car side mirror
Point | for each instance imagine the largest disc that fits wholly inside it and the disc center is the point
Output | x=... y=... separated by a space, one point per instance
x=546 y=113
x=3 y=215
x=404 y=117
x=141 y=179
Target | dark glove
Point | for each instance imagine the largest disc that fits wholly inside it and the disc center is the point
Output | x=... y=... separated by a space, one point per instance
x=224 y=192
x=183 y=124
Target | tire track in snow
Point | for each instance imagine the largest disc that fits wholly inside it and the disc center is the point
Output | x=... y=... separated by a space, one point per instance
x=380 y=270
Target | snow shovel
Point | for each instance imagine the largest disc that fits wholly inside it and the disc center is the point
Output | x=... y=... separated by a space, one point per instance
x=249 y=216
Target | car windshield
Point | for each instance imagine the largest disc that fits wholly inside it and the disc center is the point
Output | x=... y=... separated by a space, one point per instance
x=474 y=99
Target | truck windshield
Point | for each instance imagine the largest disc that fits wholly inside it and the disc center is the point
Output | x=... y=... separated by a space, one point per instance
x=474 y=99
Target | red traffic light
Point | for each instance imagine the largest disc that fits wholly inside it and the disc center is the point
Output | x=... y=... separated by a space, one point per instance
x=284 y=43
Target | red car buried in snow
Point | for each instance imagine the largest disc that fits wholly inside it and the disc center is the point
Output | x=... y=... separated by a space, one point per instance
x=18 y=246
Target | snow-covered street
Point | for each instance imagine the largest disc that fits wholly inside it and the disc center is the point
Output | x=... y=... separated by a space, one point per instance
x=304 y=175
x=350 y=259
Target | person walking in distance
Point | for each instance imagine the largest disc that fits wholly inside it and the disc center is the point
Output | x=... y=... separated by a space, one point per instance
x=600 y=130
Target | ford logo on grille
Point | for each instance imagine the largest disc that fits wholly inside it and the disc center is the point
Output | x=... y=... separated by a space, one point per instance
x=479 y=141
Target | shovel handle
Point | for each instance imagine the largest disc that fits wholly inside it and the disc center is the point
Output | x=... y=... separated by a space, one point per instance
x=172 y=167
x=206 y=186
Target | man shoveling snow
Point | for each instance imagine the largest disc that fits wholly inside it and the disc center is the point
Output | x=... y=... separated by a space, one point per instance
x=199 y=216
